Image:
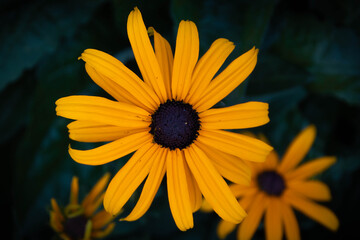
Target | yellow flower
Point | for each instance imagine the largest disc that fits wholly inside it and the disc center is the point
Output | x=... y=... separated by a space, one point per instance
x=82 y=221
x=167 y=120
x=278 y=187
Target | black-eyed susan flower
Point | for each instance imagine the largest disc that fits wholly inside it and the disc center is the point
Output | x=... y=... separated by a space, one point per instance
x=278 y=187
x=82 y=221
x=166 y=118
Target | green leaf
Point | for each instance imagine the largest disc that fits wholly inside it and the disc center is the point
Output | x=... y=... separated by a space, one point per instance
x=243 y=22
x=345 y=88
x=327 y=52
x=187 y=10
x=35 y=30
x=273 y=74
x=282 y=102
x=15 y=108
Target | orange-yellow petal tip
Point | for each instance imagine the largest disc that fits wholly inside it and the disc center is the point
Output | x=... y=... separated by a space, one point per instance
x=57 y=102
x=135 y=11
x=151 y=31
x=81 y=55
x=312 y=128
x=333 y=160
x=107 y=176
x=268 y=147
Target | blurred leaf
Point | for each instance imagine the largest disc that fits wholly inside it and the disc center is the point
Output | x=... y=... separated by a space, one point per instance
x=14 y=107
x=329 y=53
x=340 y=12
x=187 y=10
x=273 y=74
x=281 y=102
x=243 y=22
x=35 y=30
x=346 y=88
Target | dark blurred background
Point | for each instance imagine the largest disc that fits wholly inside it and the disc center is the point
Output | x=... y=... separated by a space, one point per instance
x=308 y=71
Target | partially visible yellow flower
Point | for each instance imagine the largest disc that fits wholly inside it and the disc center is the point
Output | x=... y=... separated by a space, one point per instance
x=82 y=221
x=165 y=118
x=278 y=187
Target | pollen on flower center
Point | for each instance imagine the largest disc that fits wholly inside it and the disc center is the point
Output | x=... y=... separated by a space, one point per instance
x=271 y=183
x=75 y=227
x=175 y=124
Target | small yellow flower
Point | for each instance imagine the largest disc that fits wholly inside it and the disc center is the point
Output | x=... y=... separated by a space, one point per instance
x=166 y=119
x=278 y=187
x=82 y=221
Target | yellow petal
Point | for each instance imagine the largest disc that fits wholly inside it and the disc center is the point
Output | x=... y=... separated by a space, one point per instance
x=272 y=160
x=165 y=58
x=312 y=189
x=228 y=80
x=144 y=54
x=213 y=186
x=113 y=88
x=93 y=206
x=129 y=177
x=207 y=67
x=298 y=148
x=244 y=147
x=256 y=210
x=88 y=230
x=150 y=188
x=74 y=192
x=206 y=207
x=63 y=236
x=106 y=84
x=100 y=234
x=231 y=167
x=56 y=209
x=112 y=68
x=101 y=218
x=185 y=58
x=96 y=191
x=84 y=131
x=311 y=168
x=247 y=200
x=55 y=222
x=273 y=220
x=313 y=210
x=291 y=225
x=225 y=228
x=111 y=151
x=56 y=216
x=240 y=190
x=194 y=190
x=178 y=192
x=102 y=110
x=245 y=115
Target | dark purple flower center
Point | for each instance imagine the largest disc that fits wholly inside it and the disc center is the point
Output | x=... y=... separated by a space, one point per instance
x=75 y=227
x=271 y=182
x=175 y=124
